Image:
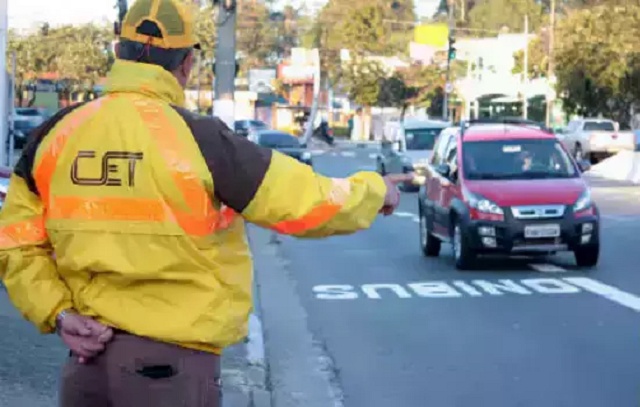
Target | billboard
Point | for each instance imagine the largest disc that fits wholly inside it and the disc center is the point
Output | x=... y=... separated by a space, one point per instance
x=435 y=35
x=296 y=74
x=261 y=80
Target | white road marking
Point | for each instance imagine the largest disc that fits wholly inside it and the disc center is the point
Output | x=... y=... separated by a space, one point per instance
x=404 y=214
x=348 y=154
x=609 y=292
x=444 y=289
x=373 y=156
x=547 y=268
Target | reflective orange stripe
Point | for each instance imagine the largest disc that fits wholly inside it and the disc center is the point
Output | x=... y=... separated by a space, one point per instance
x=27 y=232
x=317 y=217
x=130 y=209
x=203 y=218
x=47 y=165
x=200 y=220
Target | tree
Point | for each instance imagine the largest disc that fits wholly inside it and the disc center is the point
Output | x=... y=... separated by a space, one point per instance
x=538 y=59
x=491 y=16
x=598 y=61
x=341 y=25
x=256 y=34
x=360 y=79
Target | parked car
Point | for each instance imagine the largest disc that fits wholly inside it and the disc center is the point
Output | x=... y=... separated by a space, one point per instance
x=407 y=148
x=506 y=189
x=245 y=127
x=596 y=139
x=284 y=143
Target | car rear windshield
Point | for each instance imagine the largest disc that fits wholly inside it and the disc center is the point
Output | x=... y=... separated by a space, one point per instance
x=421 y=139
x=599 y=126
x=516 y=160
x=278 y=140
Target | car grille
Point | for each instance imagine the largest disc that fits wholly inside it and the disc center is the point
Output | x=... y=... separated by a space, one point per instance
x=538 y=211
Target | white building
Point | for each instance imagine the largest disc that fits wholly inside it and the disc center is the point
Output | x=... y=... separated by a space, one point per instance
x=490 y=77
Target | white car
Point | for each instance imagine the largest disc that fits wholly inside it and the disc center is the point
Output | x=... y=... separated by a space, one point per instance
x=596 y=139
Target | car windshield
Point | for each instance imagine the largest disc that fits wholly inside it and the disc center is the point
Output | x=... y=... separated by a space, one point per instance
x=422 y=139
x=516 y=160
x=278 y=140
x=23 y=125
x=599 y=126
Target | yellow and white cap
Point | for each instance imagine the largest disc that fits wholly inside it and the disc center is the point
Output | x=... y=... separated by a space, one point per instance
x=167 y=24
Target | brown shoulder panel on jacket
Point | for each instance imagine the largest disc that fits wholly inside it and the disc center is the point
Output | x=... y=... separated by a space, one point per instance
x=24 y=167
x=237 y=165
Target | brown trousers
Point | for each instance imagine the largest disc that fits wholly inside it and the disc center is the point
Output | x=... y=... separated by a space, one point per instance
x=139 y=372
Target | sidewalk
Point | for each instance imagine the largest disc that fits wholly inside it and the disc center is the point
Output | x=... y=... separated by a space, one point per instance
x=244 y=382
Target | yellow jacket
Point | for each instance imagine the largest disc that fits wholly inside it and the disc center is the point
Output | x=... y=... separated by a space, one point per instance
x=144 y=203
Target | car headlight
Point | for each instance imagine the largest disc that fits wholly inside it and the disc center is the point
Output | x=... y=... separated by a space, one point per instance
x=483 y=204
x=584 y=202
x=306 y=156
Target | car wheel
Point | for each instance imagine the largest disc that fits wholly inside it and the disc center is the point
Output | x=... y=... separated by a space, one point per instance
x=429 y=244
x=578 y=154
x=463 y=255
x=588 y=256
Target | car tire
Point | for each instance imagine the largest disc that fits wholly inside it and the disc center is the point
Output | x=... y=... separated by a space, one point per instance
x=465 y=258
x=429 y=244
x=587 y=257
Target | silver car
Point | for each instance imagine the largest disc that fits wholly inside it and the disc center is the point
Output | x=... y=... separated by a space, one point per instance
x=408 y=149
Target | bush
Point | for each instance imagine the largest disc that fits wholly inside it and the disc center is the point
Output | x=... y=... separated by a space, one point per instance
x=341 y=132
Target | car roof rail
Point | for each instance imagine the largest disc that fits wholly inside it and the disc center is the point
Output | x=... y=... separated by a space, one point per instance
x=515 y=121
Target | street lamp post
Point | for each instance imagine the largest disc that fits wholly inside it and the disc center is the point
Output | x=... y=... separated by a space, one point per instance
x=451 y=51
x=550 y=72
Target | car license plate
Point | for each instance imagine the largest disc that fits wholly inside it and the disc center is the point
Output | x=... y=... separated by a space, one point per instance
x=541 y=231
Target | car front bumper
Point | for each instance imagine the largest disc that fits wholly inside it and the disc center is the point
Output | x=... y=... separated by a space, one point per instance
x=508 y=236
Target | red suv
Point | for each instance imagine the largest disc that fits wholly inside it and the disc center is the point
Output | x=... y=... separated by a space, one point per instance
x=506 y=189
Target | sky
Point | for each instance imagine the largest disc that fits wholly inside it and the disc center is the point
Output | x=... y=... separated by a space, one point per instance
x=25 y=14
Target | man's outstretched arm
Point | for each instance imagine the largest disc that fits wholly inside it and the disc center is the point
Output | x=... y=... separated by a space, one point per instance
x=275 y=191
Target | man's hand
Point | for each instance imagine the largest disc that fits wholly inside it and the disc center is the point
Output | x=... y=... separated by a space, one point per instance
x=392 y=199
x=84 y=336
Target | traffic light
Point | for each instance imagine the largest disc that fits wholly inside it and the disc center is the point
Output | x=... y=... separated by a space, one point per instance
x=452 y=48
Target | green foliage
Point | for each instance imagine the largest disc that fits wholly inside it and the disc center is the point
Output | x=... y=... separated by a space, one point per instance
x=493 y=15
x=538 y=59
x=598 y=60
x=364 y=28
x=361 y=81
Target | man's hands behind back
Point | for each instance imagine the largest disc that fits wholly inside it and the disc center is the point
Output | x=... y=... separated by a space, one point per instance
x=392 y=199
x=84 y=336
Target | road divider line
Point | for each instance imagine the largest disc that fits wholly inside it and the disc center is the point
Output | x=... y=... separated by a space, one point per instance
x=404 y=214
x=609 y=292
x=373 y=156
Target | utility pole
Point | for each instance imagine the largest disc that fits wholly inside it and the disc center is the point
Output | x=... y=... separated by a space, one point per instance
x=122 y=12
x=4 y=85
x=451 y=54
x=225 y=68
x=550 y=72
x=525 y=75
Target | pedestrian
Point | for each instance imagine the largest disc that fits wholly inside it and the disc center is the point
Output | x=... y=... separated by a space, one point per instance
x=123 y=228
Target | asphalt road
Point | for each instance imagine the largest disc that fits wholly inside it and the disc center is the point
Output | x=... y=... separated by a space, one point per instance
x=397 y=329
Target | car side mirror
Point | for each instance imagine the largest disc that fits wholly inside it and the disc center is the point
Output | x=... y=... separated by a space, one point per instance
x=584 y=165
x=443 y=169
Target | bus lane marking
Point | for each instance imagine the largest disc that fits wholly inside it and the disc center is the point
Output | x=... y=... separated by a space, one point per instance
x=478 y=289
